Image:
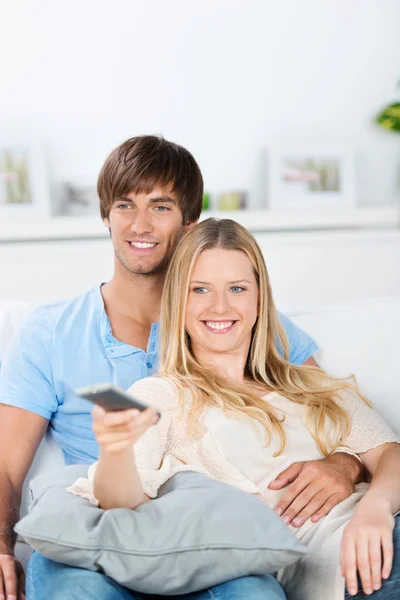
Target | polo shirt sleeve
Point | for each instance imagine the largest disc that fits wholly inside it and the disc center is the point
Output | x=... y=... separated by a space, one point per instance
x=26 y=378
x=301 y=345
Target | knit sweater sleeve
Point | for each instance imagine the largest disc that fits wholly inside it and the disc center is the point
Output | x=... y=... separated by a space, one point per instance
x=153 y=460
x=368 y=429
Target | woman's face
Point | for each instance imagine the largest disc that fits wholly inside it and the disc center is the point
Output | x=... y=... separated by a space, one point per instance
x=222 y=305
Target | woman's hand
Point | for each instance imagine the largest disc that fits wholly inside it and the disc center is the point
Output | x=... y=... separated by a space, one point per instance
x=367 y=546
x=115 y=431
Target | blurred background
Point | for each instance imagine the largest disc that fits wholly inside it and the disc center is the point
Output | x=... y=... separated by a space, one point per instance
x=290 y=108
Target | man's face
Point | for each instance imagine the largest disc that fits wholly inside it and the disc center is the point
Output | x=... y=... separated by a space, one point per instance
x=145 y=230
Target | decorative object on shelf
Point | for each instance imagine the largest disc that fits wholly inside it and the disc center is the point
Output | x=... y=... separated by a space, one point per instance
x=389 y=117
x=80 y=197
x=206 y=201
x=24 y=190
x=311 y=177
x=232 y=201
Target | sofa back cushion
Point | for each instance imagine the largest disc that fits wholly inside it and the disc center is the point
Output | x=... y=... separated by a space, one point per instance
x=361 y=338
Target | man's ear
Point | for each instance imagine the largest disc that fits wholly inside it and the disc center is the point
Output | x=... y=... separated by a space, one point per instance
x=189 y=226
x=107 y=222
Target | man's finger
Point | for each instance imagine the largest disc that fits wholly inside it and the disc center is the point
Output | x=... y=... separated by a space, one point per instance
x=2 y=588
x=21 y=585
x=300 y=503
x=294 y=490
x=314 y=505
x=326 y=507
x=286 y=477
x=10 y=578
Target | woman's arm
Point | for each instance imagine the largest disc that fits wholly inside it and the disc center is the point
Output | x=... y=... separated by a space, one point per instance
x=383 y=463
x=116 y=482
x=367 y=544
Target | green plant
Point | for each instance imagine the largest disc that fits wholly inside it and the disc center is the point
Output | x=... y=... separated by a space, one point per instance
x=389 y=117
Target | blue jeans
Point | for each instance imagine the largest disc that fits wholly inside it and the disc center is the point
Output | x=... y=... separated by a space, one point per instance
x=390 y=587
x=54 y=581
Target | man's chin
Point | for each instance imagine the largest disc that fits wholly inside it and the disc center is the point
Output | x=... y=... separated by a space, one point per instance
x=148 y=270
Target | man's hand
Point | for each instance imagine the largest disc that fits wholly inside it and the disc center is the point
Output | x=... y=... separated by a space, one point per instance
x=316 y=486
x=12 y=578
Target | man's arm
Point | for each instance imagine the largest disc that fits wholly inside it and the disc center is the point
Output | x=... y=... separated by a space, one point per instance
x=316 y=486
x=20 y=434
x=311 y=362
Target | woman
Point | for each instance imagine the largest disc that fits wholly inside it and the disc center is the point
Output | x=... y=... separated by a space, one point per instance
x=233 y=407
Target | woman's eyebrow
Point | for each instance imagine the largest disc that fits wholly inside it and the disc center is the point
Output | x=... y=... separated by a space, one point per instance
x=229 y=282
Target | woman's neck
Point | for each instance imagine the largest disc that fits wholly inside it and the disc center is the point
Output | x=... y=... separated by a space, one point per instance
x=227 y=366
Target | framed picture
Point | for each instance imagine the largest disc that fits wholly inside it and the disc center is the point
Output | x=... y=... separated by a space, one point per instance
x=24 y=189
x=308 y=177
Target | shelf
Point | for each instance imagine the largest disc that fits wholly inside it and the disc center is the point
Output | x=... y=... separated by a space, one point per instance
x=79 y=228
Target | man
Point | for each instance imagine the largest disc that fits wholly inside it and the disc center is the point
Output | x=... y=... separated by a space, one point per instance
x=150 y=194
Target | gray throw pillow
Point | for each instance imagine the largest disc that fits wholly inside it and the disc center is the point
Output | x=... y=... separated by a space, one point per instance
x=197 y=533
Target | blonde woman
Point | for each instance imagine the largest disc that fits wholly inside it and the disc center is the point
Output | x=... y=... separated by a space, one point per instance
x=234 y=408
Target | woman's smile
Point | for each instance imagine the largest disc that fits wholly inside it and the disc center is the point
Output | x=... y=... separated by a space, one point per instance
x=219 y=327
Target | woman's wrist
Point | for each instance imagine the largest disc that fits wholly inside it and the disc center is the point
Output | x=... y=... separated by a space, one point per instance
x=375 y=498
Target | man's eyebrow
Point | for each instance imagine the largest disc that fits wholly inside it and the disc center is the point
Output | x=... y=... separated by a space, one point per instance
x=122 y=198
x=163 y=199
x=155 y=200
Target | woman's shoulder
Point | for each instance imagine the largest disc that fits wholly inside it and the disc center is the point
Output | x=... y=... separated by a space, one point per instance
x=155 y=390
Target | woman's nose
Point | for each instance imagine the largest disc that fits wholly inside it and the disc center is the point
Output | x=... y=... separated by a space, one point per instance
x=220 y=303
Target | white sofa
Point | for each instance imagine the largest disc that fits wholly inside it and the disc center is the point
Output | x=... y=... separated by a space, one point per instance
x=361 y=338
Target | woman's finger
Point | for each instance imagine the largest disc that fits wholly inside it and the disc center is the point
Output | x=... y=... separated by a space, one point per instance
x=119 y=417
x=387 y=552
x=129 y=421
x=109 y=437
x=119 y=446
x=375 y=558
x=363 y=562
x=349 y=565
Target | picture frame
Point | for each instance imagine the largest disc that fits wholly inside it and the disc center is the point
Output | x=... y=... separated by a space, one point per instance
x=24 y=186
x=311 y=177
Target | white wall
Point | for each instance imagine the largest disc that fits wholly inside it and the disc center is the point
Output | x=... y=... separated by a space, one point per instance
x=223 y=77
x=306 y=269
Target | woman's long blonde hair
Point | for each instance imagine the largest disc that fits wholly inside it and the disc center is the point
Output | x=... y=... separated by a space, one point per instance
x=267 y=362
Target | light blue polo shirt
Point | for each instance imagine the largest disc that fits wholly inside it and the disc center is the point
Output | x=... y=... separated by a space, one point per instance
x=70 y=342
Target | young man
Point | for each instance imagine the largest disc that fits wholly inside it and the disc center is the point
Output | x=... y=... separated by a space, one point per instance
x=150 y=194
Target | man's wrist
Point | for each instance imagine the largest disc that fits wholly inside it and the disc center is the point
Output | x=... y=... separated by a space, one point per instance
x=349 y=464
x=6 y=549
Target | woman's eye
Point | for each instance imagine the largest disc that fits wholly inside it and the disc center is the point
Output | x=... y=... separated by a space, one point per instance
x=237 y=288
x=200 y=290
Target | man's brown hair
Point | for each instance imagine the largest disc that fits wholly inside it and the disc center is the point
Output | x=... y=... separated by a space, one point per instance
x=143 y=162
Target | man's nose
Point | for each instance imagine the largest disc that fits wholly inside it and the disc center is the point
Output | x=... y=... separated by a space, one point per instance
x=142 y=223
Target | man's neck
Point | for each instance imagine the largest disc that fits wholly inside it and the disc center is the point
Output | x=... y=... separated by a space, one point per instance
x=132 y=305
x=137 y=298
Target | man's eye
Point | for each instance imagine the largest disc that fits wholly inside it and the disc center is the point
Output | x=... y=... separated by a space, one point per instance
x=162 y=208
x=237 y=288
x=124 y=206
x=200 y=290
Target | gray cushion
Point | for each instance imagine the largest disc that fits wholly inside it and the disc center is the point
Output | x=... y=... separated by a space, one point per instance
x=198 y=533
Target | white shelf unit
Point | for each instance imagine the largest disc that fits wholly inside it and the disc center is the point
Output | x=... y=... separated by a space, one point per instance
x=81 y=228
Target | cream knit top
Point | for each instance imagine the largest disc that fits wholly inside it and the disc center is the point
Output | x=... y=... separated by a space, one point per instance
x=233 y=448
